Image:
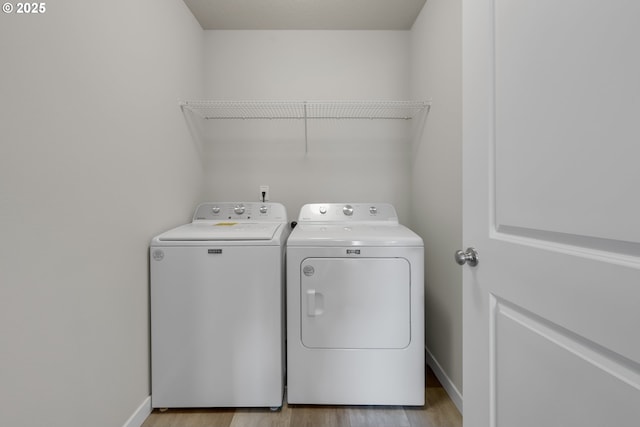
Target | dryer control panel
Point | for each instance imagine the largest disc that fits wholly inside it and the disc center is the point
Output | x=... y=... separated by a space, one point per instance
x=341 y=212
x=238 y=211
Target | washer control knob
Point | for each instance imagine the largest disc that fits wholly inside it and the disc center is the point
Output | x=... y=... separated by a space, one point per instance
x=373 y=210
x=323 y=210
x=263 y=209
x=347 y=210
x=239 y=209
x=215 y=210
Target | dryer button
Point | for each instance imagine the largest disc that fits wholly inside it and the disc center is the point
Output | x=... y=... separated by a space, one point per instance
x=308 y=270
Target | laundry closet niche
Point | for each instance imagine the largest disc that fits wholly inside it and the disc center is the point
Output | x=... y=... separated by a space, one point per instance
x=313 y=159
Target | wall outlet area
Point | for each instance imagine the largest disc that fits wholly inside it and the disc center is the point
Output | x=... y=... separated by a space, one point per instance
x=264 y=193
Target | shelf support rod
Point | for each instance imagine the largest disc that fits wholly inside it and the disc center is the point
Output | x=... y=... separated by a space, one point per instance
x=306 y=140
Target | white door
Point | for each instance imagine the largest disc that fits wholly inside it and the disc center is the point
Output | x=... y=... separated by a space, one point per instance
x=551 y=203
x=355 y=303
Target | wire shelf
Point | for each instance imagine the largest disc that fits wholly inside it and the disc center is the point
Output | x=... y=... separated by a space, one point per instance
x=306 y=110
x=245 y=109
x=365 y=109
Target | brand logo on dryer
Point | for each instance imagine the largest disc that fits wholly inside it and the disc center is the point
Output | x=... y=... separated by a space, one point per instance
x=353 y=251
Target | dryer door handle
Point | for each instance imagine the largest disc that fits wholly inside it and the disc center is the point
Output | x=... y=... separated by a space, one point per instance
x=315 y=303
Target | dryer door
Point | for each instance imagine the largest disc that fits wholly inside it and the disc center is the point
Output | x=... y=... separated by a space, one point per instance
x=355 y=303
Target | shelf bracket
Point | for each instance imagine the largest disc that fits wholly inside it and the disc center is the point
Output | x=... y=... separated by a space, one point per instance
x=306 y=138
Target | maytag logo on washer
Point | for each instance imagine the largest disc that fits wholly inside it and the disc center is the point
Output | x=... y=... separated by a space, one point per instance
x=308 y=270
x=158 y=255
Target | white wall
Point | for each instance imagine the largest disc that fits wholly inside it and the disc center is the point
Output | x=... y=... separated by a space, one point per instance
x=436 y=54
x=95 y=159
x=347 y=160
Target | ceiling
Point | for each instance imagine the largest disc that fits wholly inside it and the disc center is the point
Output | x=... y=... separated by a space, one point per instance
x=305 y=14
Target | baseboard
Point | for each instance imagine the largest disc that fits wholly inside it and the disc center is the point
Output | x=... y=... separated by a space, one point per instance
x=446 y=382
x=140 y=414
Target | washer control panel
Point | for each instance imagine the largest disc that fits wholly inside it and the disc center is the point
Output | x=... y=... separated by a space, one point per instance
x=329 y=212
x=240 y=211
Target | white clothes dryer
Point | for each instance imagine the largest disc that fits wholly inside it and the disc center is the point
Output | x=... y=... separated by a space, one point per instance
x=217 y=308
x=355 y=307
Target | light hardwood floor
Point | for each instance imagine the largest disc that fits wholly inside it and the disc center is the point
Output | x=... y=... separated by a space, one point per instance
x=439 y=411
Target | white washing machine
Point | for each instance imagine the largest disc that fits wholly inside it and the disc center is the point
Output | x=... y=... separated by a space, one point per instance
x=217 y=308
x=355 y=307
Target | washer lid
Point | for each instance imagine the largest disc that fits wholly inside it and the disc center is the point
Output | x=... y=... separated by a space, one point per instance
x=221 y=230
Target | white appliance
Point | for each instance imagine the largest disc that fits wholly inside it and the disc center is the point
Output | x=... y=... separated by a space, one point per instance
x=217 y=308
x=355 y=307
